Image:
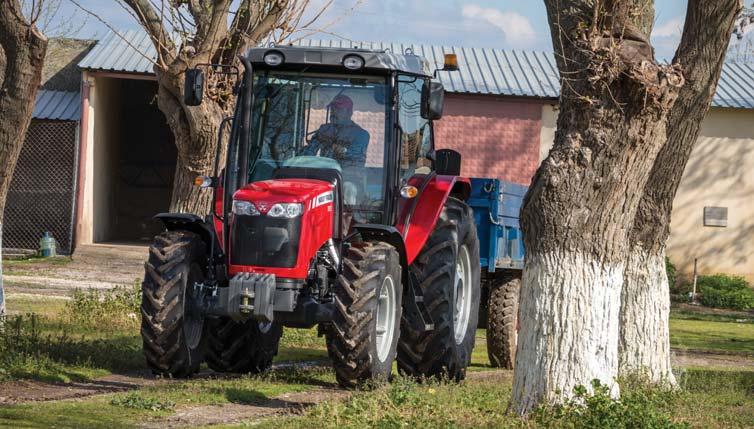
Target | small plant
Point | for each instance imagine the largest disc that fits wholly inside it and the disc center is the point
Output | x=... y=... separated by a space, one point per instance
x=117 y=308
x=671 y=272
x=138 y=401
x=724 y=291
x=639 y=407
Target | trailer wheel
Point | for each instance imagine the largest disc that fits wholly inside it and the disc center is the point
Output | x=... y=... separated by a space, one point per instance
x=241 y=347
x=172 y=325
x=363 y=336
x=502 y=320
x=447 y=272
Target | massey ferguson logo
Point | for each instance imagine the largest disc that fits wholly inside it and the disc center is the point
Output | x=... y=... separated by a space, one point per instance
x=262 y=207
x=324 y=198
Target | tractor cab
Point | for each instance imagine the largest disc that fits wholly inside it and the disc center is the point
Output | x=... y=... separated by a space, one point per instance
x=333 y=209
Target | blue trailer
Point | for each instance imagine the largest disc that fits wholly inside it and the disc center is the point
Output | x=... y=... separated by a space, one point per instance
x=496 y=206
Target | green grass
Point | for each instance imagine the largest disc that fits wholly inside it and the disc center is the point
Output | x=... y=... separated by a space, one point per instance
x=713 y=336
x=19 y=264
x=59 y=346
x=131 y=409
x=707 y=399
x=708 y=316
x=19 y=304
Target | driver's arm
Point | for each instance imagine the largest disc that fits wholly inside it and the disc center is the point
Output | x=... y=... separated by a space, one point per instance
x=313 y=147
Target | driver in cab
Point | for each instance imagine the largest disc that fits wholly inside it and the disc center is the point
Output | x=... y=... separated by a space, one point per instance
x=341 y=138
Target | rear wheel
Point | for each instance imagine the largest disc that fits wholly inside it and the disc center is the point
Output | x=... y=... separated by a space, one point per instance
x=172 y=324
x=447 y=272
x=503 y=320
x=242 y=347
x=363 y=336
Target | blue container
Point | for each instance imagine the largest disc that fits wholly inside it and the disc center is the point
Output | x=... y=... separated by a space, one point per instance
x=497 y=205
x=47 y=247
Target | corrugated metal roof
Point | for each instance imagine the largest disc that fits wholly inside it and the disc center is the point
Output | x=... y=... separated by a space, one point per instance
x=481 y=70
x=57 y=105
x=130 y=52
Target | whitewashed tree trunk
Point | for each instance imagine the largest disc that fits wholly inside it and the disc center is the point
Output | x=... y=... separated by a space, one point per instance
x=568 y=329
x=644 y=344
x=2 y=290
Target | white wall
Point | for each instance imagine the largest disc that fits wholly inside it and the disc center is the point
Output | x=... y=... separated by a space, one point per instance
x=547 y=135
x=719 y=173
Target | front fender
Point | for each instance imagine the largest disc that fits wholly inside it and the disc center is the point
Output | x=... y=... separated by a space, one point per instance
x=418 y=216
x=195 y=224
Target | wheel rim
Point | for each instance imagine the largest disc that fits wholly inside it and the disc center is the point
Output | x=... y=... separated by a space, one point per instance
x=462 y=291
x=385 y=318
x=193 y=320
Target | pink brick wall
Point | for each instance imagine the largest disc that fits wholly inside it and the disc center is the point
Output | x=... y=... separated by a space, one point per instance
x=496 y=138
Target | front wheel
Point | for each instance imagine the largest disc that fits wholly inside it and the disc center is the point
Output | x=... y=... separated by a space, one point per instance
x=363 y=336
x=447 y=271
x=172 y=324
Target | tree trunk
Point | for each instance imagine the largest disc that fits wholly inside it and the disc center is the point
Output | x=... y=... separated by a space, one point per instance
x=645 y=308
x=22 y=52
x=581 y=205
x=195 y=131
x=644 y=337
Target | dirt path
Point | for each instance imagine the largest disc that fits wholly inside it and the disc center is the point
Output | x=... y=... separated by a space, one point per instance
x=98 y=266
x=285 y=404
x=696 y=358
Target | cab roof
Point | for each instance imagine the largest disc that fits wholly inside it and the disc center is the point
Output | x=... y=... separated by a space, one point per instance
x=319 y=58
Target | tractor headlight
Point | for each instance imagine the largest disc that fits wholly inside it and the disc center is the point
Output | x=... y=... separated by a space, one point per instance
x=244 y=208
x=353 y=62
x=286 y=210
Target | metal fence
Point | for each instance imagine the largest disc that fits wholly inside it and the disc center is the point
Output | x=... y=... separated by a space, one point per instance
x=42 y=192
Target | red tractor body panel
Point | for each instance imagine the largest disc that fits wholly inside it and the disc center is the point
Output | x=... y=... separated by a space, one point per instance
x=316 y=196
x=416 y=225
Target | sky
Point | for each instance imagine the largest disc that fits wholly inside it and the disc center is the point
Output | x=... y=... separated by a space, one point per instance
x=506 y=24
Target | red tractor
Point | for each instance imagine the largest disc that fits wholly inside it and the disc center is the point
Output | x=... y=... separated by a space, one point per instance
x=333 y=209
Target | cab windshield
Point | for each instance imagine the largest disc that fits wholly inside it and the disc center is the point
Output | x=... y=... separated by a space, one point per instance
x=317 y=121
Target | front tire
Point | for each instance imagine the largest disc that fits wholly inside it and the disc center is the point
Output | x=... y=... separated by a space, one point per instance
x=363 y=336
x=172 y=325
x=447 y=271
x=242 y=347
x=502 y=320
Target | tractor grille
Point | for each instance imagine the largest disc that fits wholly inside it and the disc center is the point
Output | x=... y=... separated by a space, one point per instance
x=265 y=241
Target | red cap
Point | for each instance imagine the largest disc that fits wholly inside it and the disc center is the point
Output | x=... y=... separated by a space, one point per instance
x=341 y=102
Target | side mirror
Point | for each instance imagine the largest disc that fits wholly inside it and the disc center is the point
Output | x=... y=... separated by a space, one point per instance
x=448 y=162
x=193 y=87
x=433 y=99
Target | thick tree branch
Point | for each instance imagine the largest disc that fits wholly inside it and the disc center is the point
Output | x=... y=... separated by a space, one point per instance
x=701 y=55
x=150 y=21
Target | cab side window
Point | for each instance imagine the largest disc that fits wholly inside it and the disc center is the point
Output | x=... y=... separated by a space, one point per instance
x=415 y=131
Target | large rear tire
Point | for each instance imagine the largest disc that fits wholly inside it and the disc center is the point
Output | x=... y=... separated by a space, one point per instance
x=447 y=271
x=241 y=347
x=502 y=320
x=172 y=325
x=363 y=336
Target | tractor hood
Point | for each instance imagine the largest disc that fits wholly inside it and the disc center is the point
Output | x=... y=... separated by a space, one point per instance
x=268 y=192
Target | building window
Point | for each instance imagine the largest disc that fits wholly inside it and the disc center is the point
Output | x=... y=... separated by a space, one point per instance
x=716 y=216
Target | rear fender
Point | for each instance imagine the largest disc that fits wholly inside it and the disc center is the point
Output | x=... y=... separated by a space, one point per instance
x=418 y=217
